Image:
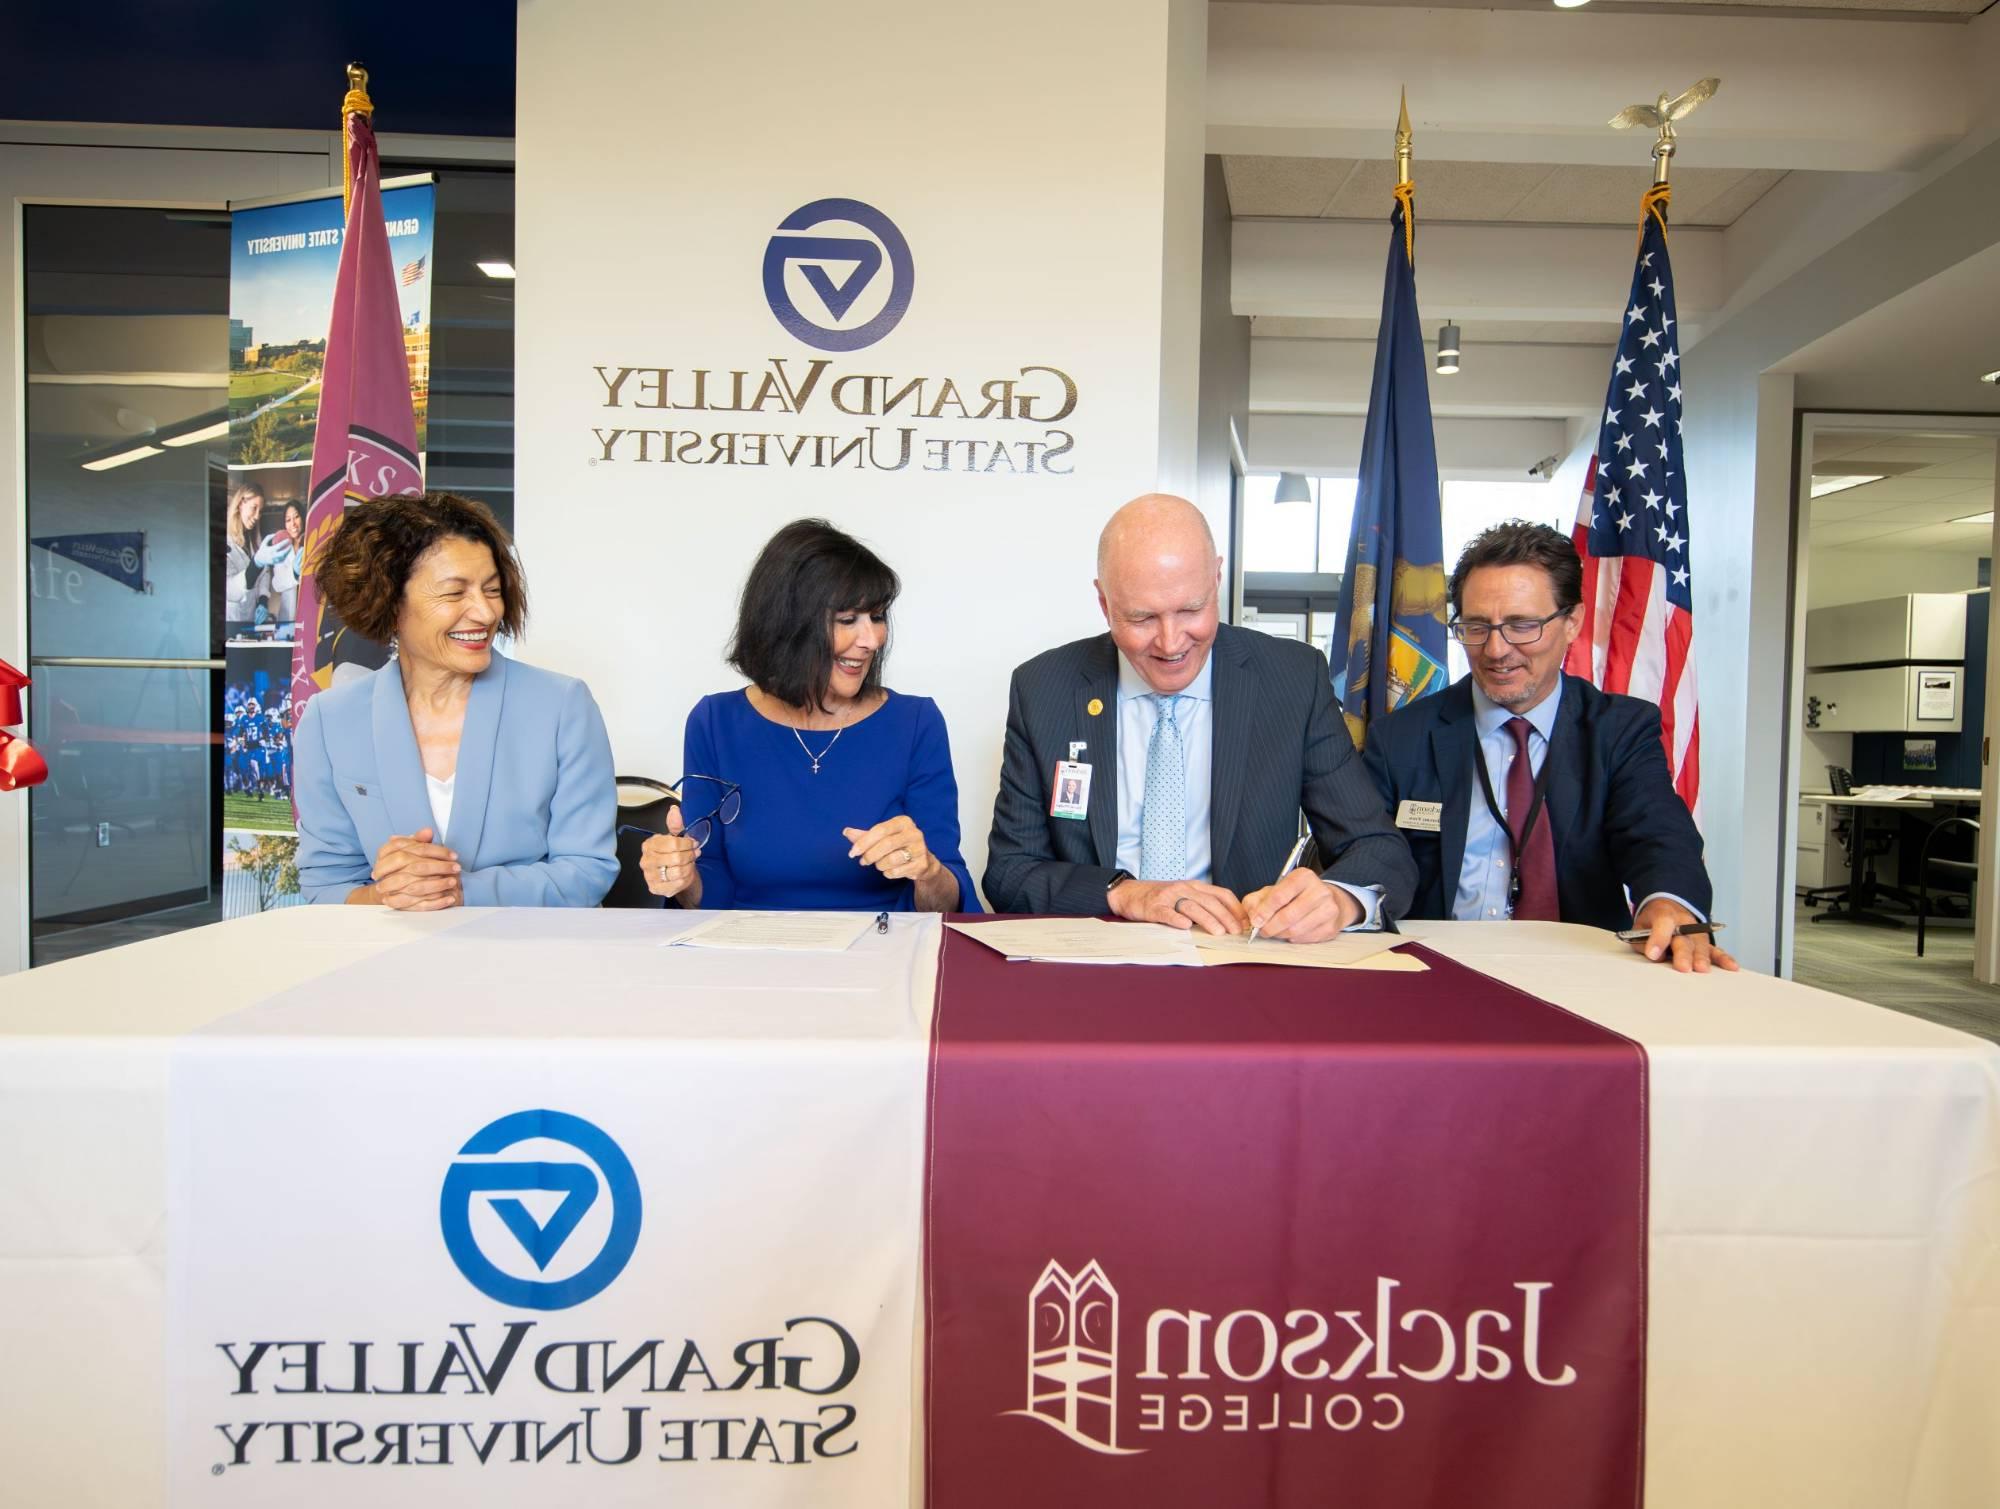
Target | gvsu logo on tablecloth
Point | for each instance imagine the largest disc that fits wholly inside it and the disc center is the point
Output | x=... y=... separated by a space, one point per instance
x=1073 y=1356
x=533 y=1232
x=827 y=286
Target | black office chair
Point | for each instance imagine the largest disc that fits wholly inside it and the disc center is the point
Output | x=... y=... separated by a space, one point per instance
x=1969 y=868
x=642 y=803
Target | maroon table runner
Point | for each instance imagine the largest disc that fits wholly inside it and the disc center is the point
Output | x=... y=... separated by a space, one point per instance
x=1255 y=1237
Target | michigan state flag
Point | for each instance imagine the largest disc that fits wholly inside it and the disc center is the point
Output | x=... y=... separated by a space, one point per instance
x=1389 y=639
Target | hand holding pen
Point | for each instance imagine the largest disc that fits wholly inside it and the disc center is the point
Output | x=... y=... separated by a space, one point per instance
x=1300 y=907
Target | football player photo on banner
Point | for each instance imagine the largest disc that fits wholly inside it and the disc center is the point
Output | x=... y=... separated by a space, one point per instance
x=908 y=326
x=618 y=1248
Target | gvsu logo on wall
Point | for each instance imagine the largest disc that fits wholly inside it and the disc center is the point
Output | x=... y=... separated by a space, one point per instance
x=838 y=274
x=530 y=1225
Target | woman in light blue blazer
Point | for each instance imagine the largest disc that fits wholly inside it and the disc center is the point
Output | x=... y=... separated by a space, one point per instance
x=452 y=776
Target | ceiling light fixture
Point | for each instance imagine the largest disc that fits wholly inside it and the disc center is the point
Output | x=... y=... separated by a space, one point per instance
x=194 y=437
x=1448 y=349
x=121 y=458
x=1826 y=486
x=496 y=269
x=1293 y=488
x=1571 y=4
x=1993 y=376
x=1976 y=518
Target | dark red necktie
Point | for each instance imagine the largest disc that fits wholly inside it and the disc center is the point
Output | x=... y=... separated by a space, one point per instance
x=1537 y=901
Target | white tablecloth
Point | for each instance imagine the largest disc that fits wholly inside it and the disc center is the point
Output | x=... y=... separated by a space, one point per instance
x=1825 y=1248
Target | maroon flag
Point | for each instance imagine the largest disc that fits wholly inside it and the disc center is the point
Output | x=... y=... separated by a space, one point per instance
x=365 y=445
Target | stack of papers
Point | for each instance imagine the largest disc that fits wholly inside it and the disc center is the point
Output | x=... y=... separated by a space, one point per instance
x=1091 y=940
x=1083 y=940
x=799 y=932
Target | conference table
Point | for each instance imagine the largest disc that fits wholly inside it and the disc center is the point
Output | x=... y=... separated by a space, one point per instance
x=226 y=1149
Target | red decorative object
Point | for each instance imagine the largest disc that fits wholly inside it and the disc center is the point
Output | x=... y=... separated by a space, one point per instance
x=20 y=765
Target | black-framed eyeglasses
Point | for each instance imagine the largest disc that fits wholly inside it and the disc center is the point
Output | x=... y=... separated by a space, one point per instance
x=728 y=807
x=1516 y=631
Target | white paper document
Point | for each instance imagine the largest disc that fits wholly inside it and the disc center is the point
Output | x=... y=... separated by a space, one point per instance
x=802 y=932
x=1348 y=951
x=1083 y=940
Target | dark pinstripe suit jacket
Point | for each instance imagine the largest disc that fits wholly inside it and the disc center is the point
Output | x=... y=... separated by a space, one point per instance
x=1280 y=746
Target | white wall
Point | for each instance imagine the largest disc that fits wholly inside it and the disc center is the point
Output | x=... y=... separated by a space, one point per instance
x=1037 y=159
x=1860 y=575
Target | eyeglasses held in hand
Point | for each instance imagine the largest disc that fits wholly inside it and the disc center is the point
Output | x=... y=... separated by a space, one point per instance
x=701 y=829
x=1516 y=631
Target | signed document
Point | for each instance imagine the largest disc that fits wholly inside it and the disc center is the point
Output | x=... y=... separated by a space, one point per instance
x=1348 y=951
x=801 y=932
x=1082 y=940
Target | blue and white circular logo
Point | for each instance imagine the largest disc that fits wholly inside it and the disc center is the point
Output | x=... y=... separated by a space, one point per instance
x=538 y=1229
x=828 y=258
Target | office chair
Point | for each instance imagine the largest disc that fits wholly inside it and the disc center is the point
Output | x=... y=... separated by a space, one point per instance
x=1969 y=868
x=642 y=803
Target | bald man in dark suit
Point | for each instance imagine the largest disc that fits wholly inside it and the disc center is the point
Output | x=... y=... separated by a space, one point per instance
x=1204 y=744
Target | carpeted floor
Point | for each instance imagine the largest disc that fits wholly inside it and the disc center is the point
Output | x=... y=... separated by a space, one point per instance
x=1880 y=964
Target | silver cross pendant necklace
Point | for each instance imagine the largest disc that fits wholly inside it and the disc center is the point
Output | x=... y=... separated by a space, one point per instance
x=816 y=758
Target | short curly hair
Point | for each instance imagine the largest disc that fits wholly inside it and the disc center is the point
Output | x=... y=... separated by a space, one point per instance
x=1517 y=542
x=364 y=567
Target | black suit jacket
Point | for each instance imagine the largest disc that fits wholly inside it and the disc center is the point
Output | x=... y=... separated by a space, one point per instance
x=1280 y=747
x=1610 y=802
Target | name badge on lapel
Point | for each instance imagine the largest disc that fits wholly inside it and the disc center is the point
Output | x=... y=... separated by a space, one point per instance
x=1070 y=796
x=1420 y=817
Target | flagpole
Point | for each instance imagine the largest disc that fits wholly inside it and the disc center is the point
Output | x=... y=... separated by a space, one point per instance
x=357 y=102
x=1406 y=188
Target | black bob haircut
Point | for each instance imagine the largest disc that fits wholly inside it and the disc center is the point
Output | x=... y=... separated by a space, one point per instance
x=1519 y=543
x=808 y=572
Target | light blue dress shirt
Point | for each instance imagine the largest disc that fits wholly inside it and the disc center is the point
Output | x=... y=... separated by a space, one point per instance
x=1138 y=711
x=1484 y=873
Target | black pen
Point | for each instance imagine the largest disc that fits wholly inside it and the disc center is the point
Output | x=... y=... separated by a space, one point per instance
x=1685 y=930
x=881 y=922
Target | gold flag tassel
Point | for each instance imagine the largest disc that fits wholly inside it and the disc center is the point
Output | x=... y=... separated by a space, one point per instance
x=356 y=103
x=1406 y=189
x=1654 y=203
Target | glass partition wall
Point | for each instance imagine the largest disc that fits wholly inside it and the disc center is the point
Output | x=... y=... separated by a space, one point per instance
x=125 y=354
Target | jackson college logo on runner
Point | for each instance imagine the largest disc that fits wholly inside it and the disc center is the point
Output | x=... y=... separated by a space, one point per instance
x=1073 y=1356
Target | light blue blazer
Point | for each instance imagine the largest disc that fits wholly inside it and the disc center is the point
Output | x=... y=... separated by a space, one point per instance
x=533 y=812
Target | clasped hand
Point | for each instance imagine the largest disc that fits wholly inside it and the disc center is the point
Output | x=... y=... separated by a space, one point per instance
x=895 y=847
x=1301 y=908
x=666 y=860
x=413 y=874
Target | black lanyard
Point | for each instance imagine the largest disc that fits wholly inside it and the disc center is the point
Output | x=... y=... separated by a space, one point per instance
x=1514 y=850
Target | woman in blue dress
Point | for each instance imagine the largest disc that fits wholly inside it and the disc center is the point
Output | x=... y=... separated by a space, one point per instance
x=823 y=789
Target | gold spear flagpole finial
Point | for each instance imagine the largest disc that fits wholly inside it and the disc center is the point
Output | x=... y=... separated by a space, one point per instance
x=1662 y=113
x=1405 y=142
x=356 y=103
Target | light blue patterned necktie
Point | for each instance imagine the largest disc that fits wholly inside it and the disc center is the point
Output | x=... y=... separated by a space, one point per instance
x=1163 y=820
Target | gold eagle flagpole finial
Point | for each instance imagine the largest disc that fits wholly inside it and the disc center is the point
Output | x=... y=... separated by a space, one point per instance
x=1662 y=113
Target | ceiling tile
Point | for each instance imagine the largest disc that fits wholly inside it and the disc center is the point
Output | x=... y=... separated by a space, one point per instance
x=1292 y=186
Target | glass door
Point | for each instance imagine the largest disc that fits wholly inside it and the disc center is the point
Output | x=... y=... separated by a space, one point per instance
x=126 y=375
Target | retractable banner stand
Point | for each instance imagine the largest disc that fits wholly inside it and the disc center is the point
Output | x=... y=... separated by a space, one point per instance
x=930 y=272
x=284 y=258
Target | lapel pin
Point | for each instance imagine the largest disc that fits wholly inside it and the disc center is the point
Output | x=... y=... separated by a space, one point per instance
x=361 y=791
x=1094 y=706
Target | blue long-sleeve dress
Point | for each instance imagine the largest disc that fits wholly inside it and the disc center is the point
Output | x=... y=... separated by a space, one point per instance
x=785 y=851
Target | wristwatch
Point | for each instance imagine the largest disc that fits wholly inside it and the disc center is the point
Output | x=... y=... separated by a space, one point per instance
x=1116 y=876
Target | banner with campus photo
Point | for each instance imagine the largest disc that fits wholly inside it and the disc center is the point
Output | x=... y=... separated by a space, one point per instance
x=284 y=257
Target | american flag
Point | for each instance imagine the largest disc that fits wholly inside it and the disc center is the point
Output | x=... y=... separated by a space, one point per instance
x=412 y=271
x=1632 y=527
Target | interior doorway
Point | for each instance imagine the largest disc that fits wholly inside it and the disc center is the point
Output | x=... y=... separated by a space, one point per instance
x=1891 y=668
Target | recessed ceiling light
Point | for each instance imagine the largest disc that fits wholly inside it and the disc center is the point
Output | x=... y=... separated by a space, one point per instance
x=496 y=269
x=137 y=453
x=1570 y=4
x=1976 y=518
x=1823 y=486
x=1993 y=376
x=213 y=432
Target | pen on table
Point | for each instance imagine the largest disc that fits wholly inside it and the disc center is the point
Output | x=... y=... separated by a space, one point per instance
x=881 y=922
x=1685 y=930
x=1291 y=863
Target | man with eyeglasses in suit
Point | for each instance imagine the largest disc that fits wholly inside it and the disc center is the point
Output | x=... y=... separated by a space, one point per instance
x=1527 y=793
